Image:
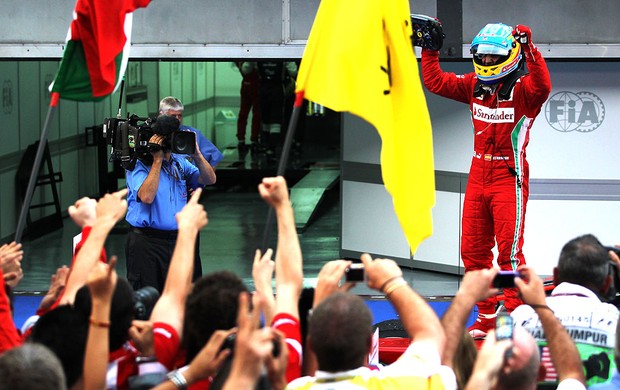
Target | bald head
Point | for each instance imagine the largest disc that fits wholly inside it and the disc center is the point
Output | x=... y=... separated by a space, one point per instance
x=520 y=371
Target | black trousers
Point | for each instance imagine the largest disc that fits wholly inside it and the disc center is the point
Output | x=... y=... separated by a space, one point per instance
x=148 y=253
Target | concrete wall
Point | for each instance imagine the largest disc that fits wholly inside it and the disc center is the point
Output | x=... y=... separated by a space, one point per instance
x=201 y=29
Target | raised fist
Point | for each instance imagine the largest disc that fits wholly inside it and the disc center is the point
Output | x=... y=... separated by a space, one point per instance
x=523 y=34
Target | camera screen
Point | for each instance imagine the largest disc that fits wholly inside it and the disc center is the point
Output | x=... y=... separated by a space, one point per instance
x=504 y=327
x=355 y=273
x=505 y=279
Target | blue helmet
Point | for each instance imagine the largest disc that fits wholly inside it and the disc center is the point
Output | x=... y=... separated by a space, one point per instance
x=495 y=39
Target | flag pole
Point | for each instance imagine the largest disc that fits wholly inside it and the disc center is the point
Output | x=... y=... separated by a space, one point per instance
x=286 y=148
x=36 y=166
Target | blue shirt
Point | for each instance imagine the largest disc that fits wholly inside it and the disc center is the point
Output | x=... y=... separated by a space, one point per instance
x=209 y=151
x=171 y=194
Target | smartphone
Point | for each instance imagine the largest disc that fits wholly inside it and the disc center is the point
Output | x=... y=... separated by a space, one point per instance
x=504 y=330
x=229 y=342
x=504 y=327
x=505 y=279
x=355 y=273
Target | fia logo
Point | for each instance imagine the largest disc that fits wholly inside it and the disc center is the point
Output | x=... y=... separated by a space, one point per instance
x=568 y=111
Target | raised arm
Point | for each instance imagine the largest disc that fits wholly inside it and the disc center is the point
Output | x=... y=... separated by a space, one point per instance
x=475 y=287
x=262 y=274
x=170 y=308
x=148 y=189
x=57 y=287
x=564 y=353
x=252 y=347
x=328 y=282
x=489 y=362
x=9 y=336
x=110 y=209
x=207 y=173
x=84 y=213
x=101 y=282
x=289 y=274
x=419 y=320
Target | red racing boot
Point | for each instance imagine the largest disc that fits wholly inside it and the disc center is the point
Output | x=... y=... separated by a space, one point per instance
x=482 y=325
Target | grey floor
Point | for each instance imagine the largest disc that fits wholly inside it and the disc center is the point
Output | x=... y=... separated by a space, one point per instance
x=236 y=227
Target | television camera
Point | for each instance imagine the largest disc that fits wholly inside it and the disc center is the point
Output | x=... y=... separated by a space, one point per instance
x=130 y=138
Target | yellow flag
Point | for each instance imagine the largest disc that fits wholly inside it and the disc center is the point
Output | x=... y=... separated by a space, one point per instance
x=359 y=59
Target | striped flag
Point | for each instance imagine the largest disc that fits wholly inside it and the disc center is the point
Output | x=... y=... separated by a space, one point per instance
x=97 y=49
x=359 y=59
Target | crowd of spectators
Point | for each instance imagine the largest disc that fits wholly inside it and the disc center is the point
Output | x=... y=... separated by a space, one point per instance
x=214 y=333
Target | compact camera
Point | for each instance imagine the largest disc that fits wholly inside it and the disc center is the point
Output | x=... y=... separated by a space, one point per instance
x=355 y=273
x=505 y=279
x=130 y=138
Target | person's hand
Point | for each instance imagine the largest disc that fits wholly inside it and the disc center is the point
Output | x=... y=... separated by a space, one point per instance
x=83 y=212
x=193 y=214
x=102 y=281
x=328 y=280
x=523 y=34
x=489 y=362
x=13 y=278
x=532 y=292
x=477 y=284
x=112 y=207
x=380 y=271
x=141 y=335
x=210 y=358
x=262 y=274
x=11 y=263
x=197 y=151
x=262 y=270
x=57 y=286
x=9 y=253
x=274 y=191
x=613 y=256
x=156 y=152
x=253 y=345
x=11 y=256
x=276 y=365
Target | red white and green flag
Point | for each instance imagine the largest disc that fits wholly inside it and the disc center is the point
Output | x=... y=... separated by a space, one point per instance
x=96 y=51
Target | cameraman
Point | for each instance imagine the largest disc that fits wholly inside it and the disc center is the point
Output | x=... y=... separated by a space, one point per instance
x=172 y=106
x=156 y=193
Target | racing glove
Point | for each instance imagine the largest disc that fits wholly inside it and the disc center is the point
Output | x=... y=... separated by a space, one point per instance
x=523 y=34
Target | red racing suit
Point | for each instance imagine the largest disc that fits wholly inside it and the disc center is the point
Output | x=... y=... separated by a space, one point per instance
x=498 y=183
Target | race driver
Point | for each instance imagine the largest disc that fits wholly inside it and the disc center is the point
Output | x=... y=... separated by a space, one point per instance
x=504 y=99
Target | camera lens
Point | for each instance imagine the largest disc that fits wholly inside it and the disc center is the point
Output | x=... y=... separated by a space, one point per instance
x=183 y=142
x=144 y=301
